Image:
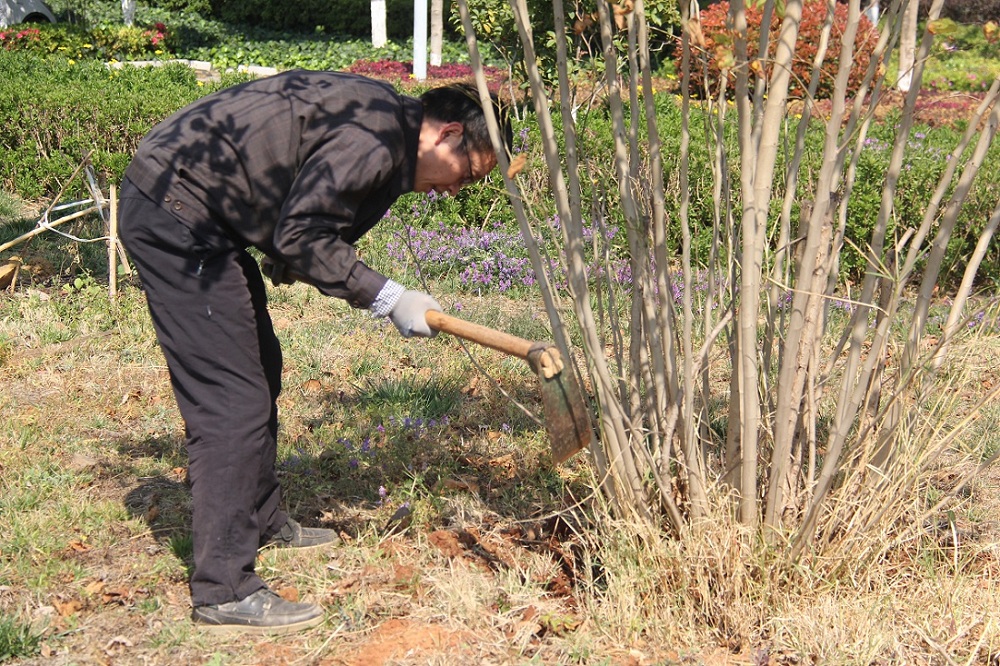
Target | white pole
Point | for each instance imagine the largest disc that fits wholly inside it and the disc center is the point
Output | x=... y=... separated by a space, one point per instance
x=379 y=37
x=420 y=40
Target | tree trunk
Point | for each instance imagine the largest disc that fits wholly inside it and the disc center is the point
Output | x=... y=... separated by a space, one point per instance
x=907 y=46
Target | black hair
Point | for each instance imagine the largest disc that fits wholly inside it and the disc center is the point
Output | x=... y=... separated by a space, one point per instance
x=459 y=102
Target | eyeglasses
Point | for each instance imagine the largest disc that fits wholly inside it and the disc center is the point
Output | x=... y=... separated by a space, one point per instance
x=471 y=178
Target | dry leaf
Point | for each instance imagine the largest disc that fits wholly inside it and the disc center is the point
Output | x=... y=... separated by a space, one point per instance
x=624 y=8
x=112 y=596
x=116 y=642
x=472 y=388
x=69 y=607
x=312 y=385
x=528 y=624
x=78 y=546
x=583 y=24
x=289 y=594
x=991 y=31
x=94 y=587
x=461 y=484
x=693 y=29
x=344 y=586
x=503 y=461
x=516 y=165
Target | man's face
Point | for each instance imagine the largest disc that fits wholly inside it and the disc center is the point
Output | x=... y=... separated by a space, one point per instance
x=444 y=162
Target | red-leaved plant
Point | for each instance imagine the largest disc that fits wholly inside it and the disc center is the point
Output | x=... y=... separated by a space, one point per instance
x=719 y=38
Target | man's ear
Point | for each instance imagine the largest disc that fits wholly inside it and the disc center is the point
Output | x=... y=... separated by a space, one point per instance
x=447 y=130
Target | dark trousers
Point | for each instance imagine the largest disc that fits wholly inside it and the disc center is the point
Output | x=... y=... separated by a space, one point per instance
x=209 y=308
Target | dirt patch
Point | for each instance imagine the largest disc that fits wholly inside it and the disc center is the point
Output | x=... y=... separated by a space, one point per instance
x=398 y=639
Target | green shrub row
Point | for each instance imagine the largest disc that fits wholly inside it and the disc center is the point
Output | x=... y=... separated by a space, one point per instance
x=343 y=17
x=53 y=112
x=194 y=38
x=926 y=157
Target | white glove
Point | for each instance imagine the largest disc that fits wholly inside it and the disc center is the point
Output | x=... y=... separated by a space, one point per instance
x=409 y=314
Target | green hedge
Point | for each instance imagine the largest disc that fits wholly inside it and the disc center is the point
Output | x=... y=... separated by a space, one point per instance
x=55 y=110
x=343 y=17
x=52 y=112
x=346 y=17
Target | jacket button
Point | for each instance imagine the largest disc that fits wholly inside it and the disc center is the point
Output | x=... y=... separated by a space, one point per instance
x=178 y=206
x=167 y=198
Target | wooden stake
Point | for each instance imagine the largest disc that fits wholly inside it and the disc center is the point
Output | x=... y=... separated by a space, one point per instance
x=113 y=246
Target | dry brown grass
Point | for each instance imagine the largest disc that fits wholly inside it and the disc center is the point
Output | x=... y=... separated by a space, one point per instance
x=495 y=566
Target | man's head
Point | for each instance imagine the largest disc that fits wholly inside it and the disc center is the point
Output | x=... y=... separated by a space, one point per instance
x=455 y=147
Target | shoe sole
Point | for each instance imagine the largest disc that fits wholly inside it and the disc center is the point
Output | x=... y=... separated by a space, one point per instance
x=287 y=546
x=223 y=629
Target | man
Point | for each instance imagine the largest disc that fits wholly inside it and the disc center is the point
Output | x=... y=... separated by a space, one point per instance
x=299 y=165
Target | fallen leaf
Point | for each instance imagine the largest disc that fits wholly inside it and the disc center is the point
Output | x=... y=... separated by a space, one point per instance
x=94 y=587
x=345 y=585
x=527 y=625
x=503 y=461
x=78 y=546
x=289 y=594
x=312 y=385
x=114 y=596
x=461 y=484
x=115 y=645
x=472 y=388
x=80 y=462
x=68 y=607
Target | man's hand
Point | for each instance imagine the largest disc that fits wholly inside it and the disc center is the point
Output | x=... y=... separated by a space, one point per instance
x=409 y=314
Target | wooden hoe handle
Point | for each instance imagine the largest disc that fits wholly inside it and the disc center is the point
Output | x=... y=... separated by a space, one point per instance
x=488 y=337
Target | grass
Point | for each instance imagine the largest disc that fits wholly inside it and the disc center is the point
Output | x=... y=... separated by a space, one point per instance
x=17 y=639
x=462 y=544
x=962 y=61
x=490 y=564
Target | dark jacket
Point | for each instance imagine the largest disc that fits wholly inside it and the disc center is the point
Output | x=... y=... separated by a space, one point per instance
x=300 y=165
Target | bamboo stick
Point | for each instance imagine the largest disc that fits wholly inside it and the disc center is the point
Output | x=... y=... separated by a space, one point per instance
x=113 y=246
x=39 y=229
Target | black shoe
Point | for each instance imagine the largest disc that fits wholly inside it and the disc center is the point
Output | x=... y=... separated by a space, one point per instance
x=293 y=535
x=263 y=612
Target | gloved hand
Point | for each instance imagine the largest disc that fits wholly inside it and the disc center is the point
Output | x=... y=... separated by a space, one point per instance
x=408 y=315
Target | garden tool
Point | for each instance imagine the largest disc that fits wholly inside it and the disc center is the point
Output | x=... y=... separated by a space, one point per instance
x=565 y=414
